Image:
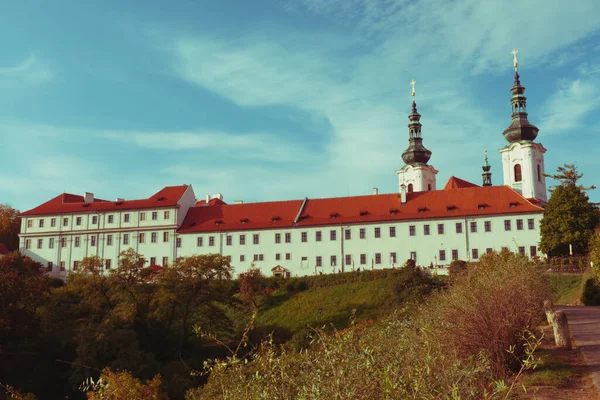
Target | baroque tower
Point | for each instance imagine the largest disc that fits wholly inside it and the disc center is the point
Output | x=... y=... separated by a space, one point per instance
x=416 y=175
x=522 y=158
x=487 y=175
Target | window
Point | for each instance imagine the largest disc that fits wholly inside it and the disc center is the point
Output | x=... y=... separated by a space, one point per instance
x=142 y=237
x=228 y=240
x=65 y=221
x=255 y=258
x=242 y=258
x=63 y=242
x=165 y=237
x=278 y=256
x=51 y=243
x=393 y=258
x=75 y=265
x=518 y=177
x=40 y=242
x=458 y=227
x=442 y=255
x=107 y=264
x=507 y=224
x=377 y=258
x=93 y=241
x=413 y=256
x=532 y=251
x=152 y=260
x=333 y=235
x=261 y=257
x=487 y=225
x=52 y=222
x=348 y=259
x=41 y=223
x=50 y=266
x=333 y=261
x=154 y=215
x=530 y=224
x=539 y=173
x=522 y=250
x=288 y=238
x=363 y=233
x=519 y=224
x=288 y=256
x=425 y=229
x=78 y=221
x=347 y=234
x=199 y=241
x=154 y=237
x=77 y=241
x=142 y=216
x=475 y=253
x=489 y=250
x=94 y=220
x=319 y=261
x=211 y=241
x=410 y=188
x=455 y=254
x=111 y=219
x=363 y=259
x=178 y=242
x=304 y=237
x=242 y=240
x=125 y=217
x=62 y=265
x=165 y=261
x=29 y=223
x=377 y=232
x=167 y=214
x=125 y=238
x=440 y=229
x=278 y=238
x=473 y=226
x=318 y=236
x=255 y=238
x=392 y=231
x=412 y=230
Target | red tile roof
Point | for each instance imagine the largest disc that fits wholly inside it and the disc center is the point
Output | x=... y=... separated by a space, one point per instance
x=4 y=249
x=457 y=183
x=227 y=217
x=67 y=203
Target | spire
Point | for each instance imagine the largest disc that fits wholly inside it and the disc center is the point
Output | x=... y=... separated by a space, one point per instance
x=415 y=153
x=487 y=175
x=520 y=128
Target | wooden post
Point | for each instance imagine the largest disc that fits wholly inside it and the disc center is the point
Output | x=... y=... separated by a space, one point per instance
x=549 y=310
x=562 y=336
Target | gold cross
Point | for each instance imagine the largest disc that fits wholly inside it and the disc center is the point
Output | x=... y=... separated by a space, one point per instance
x=413 y=87
x=514 y=53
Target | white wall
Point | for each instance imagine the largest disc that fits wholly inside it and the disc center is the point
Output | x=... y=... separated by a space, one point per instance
x=529 y=155
x=420 y=176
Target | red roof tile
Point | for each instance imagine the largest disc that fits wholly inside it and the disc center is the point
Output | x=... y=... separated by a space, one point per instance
x=67 y=203
x=457 y=183
x=228 y=217
x=4 y=249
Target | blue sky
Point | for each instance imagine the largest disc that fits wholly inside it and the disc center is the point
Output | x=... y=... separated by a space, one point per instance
x=269 y=100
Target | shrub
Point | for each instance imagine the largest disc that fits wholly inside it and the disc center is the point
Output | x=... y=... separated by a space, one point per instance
x=457 y=267
x=591 y=293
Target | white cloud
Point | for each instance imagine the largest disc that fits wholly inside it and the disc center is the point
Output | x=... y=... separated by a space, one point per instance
x=30 y=70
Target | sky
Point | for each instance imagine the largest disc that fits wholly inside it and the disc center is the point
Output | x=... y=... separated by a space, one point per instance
x=273 y=100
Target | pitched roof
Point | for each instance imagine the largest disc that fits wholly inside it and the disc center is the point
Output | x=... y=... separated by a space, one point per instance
x=457 y=183
x=224 y=217
x=67 y=203
x=4 y=249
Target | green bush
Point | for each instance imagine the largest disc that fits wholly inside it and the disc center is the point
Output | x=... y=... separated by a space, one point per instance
x=591 y=293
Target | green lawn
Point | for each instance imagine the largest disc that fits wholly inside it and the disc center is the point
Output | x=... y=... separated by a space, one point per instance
x=567 y=288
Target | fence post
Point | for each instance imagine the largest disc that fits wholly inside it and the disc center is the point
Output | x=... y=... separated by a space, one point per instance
x=562 y=336
x=549 y=310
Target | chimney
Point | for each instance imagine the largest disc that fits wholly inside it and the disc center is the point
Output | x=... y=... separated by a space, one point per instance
x=238 y=202
x=218 y=196
x=119 y=199
x=207 y=198
x=88 y=197
x=375 y=191
x=403 y=193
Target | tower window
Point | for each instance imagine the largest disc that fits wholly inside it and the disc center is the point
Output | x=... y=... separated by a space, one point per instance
x=429 y=186
x=518 y=176
x=410 y=188
x=539 y=173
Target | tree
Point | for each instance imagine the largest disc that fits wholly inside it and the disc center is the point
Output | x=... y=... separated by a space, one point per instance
x=594 y=252
x=122 y=385
x=10 y=226
x=569 y=217
x=253 y=287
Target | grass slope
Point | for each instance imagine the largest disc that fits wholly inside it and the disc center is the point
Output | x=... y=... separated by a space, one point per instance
x=567 y=288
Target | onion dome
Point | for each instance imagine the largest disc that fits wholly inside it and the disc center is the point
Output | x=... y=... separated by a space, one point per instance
x=416 y=153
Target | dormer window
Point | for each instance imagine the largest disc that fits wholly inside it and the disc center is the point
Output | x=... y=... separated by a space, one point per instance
x=333 y=215
x=218 y=222
x=118 y=203
x=243 y=220
x=160 y=198
x=422 y=210
x=192 y=223
x=275 y=219
x=513 y=204
x=393 y=211
x=450 y=208
x=85 y=205
x=481 y=206
x=363 y=213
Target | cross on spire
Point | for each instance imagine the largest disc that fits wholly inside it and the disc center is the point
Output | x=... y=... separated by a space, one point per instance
x=412 y=83
x=515 y=62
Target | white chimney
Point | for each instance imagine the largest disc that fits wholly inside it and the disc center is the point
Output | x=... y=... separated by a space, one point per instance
x=218 y=196
x=119 y=199
x=375 y=191
x=207 y=198
x=88 y=197
x=403 y=193
x=238 y=202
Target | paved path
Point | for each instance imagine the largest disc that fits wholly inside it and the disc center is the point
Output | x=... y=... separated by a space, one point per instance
x=584 y=324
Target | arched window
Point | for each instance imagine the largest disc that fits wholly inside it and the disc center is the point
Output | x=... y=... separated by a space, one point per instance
x=410 y=188
x=429 y=186
x=539 y=171
x=518 y=176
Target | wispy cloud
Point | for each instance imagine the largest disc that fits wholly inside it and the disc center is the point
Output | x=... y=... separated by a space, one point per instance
x=30 y=70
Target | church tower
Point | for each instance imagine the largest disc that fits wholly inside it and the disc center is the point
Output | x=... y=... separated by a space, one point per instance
x=487 y=175
x=416 y=175
x=522 y=158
